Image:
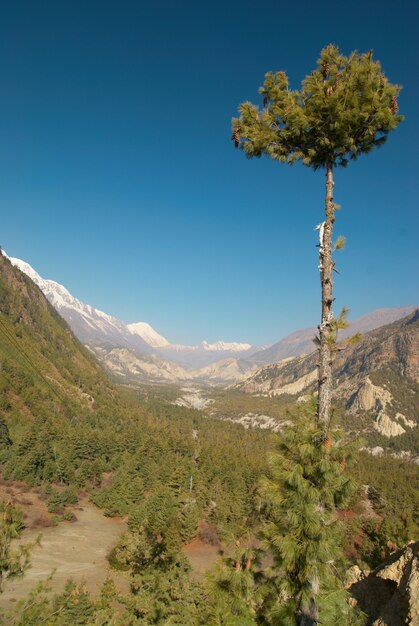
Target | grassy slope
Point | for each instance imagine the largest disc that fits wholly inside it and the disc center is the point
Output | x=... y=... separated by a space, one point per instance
x=44 y=368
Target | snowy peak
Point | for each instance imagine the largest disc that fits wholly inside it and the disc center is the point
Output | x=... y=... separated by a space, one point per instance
x=94 y=327
x=28 y=270
x=223 y=346
x=58 y=295
x=90 y=325
x=146 y=332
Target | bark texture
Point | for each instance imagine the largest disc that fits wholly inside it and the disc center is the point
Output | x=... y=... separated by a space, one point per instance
x=310 y=616
x=325 y=328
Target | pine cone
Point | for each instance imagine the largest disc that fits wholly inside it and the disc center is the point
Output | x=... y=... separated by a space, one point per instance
x=326 y=70
x=236 y=136
x=248 y=564
x=342 y=464
x=265 y=101
x=394 y=107
x=329 y=91
x=328 y=444
x=337 y=79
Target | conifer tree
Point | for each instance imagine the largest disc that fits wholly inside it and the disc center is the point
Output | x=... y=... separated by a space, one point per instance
x=232 y=591
x=344 y=108
x=13 y=562
x=306 y=486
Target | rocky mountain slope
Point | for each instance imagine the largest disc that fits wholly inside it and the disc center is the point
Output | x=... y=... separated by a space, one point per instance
x=301 y=341
x=389 y=595
x=129 y=366
x=376 y=378
x=45 y=369
x=96 y=328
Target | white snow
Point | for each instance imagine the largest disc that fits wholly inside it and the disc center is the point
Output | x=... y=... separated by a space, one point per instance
x=92 y=325
x=146 y=332
x=221 y=346
x=72 y=309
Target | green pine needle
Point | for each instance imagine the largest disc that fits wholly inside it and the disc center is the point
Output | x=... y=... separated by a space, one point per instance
x=340 y=243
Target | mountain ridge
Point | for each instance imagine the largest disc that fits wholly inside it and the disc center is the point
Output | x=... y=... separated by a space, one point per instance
x=376 y=379
x=45 y=369
x=95 y=327
x=301 y=341
x=145 y=350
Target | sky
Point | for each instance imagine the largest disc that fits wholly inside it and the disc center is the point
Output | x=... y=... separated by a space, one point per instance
x=118 y=178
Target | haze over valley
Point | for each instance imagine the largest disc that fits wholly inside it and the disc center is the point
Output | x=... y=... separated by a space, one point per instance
x=136 y=353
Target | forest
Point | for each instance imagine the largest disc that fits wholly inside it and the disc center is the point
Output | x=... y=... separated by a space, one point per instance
x=177 y=474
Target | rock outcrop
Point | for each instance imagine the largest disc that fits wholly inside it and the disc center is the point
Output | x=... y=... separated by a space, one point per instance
x=376 y=378
x=389 y=595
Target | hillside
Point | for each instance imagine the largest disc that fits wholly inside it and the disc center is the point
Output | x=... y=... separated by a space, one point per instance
x=45 y=369
x=301 y=341
x=131 y=366
x=177 y=475
x=376 y=379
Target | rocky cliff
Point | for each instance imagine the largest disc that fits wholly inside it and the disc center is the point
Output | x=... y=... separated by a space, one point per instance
x=389 y=595
x=377 y=376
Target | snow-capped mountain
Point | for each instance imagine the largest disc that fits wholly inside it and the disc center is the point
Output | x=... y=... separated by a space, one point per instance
x=146 y=332
x=225 y=346
x=206 y=353
x=90 y=325
x=96 y=328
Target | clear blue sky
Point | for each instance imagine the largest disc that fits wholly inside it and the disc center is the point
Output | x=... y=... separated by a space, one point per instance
x=118 y=177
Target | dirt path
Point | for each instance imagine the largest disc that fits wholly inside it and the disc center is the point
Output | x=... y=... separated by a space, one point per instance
x=75 y=550
x=201 y=557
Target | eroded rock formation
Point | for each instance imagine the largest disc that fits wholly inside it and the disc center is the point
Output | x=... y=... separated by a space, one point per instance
x=389 y=595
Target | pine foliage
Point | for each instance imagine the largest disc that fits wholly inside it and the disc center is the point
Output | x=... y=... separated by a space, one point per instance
x=13 y=560
x=307 y=485
x=344 y=108
x=233 y=591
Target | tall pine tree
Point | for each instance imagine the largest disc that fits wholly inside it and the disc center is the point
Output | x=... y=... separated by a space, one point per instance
x=344 y=108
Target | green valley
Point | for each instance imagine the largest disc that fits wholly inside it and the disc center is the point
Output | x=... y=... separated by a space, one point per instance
x=176 y=474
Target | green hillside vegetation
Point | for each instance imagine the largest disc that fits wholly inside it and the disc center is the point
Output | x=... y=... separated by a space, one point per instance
x=231 y=403
x=176 y=473
x=45 y=370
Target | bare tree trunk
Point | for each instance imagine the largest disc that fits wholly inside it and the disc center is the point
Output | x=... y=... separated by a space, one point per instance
x=325 y=331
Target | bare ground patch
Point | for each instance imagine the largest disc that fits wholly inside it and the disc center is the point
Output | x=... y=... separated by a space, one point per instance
x=75 y=550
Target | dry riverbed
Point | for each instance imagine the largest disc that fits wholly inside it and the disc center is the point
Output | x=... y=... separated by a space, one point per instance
x=75 y=550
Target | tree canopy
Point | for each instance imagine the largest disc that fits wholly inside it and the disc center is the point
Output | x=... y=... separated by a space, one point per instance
x=344 y=108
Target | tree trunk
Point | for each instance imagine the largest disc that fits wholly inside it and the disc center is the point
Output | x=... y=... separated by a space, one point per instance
x=325 y=330
x=309 y=617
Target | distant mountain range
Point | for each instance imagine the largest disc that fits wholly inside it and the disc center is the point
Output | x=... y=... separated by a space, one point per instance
x=376 y=379
x=136 y=352
x=88 y=324
x=301 y=341
x=46 y=366
x=94 y=327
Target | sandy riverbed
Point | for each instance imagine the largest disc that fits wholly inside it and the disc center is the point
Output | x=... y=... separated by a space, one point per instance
x=74 y=550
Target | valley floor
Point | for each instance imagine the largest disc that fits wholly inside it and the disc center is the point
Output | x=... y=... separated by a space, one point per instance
x=75 y=550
